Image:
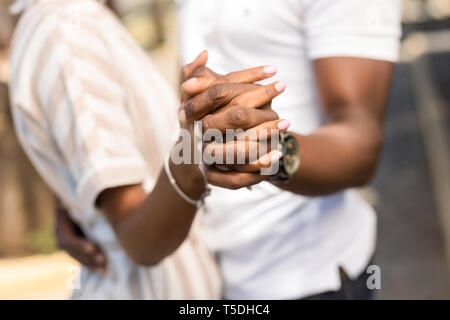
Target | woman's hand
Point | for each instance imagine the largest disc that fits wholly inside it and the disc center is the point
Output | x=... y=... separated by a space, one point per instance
x=71 y=239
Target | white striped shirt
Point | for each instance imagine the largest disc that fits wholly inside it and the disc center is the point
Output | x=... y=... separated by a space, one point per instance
x=92 y=113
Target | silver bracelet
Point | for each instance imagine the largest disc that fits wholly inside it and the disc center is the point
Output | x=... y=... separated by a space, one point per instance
x=198 y=203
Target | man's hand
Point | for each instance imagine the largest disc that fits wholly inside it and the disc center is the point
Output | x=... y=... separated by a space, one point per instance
x=344 y=152
x=204 y=91
x=71 y=239
x=232 y=101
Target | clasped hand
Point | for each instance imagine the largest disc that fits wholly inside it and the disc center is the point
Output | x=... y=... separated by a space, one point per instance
x=233 y=101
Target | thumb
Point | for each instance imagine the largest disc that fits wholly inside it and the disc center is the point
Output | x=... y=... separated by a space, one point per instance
x=188 y=69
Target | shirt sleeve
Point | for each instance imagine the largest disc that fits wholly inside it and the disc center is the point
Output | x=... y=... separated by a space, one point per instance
x=355 y=28
x=87 y=112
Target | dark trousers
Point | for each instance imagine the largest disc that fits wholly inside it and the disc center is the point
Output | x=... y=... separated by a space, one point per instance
x=350 y=289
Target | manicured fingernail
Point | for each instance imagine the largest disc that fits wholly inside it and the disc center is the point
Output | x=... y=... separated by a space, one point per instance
x=270 y=70
x=182 y=115
x=284 y=124
x=280 y=86
x=277 y=156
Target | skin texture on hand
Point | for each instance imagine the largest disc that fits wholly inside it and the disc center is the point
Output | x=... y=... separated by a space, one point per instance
x=152 y=226
x=233 y=102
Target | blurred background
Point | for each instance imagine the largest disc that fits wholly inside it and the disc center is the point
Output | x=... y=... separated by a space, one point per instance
x=411 y=192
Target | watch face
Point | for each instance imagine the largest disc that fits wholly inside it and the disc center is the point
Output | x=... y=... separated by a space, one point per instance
x=291 y=157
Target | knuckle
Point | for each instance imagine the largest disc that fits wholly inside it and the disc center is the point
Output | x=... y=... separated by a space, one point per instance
x=268 y=90
x=230 y=77
x=190 y=110
x=200 y=71
x=217 y=92
x=238 y=116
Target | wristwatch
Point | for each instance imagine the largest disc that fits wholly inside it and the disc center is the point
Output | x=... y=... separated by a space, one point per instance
x=290 y=162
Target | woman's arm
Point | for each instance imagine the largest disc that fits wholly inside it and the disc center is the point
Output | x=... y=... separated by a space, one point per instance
x=150 y=227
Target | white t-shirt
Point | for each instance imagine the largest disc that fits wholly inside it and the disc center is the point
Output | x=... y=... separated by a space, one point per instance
x=273 y=244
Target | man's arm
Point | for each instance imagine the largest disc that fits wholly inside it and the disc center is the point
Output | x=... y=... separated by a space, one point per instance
x=344 y=152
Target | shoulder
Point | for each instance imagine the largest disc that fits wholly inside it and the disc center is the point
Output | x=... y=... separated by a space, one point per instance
x=55 y=28
x=58 y=20
x=51 y=37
